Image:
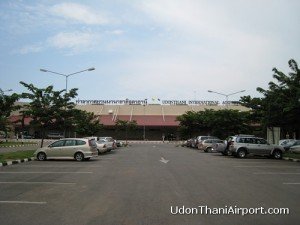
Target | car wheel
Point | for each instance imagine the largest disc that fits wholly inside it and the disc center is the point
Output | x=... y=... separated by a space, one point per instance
x=277 y=154
x=41 y=156
x=98 y=151
x=79 y=156
x=241 y=153
x=209 y=149
x=226 y=152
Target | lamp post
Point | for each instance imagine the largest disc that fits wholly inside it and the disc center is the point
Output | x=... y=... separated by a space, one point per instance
x=67 y=75
x=144 y=128
x=226 y=95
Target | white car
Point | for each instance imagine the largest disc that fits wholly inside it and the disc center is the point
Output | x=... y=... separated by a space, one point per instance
x=73 y=148
x=295 y=149
x=284 y=142
x=105 y=144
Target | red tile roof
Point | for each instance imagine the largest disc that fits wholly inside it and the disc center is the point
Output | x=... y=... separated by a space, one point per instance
x=109 y=120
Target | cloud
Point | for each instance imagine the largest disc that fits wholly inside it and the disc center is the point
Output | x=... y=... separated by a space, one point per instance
x=30 y=49
x=78 y=13
x=76 y=41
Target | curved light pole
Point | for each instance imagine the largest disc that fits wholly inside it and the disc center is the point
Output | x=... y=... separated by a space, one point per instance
x=67 y=75
x=226 y=95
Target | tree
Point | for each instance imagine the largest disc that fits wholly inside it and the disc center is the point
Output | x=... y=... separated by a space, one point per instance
x=48 y=108
x=221 y=123
x=7 y=105
x=126 y=126
x=190 y=123
x=280 y=105
x=86 y=123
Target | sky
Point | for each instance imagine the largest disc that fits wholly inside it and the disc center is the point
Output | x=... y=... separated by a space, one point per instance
x=166 y=49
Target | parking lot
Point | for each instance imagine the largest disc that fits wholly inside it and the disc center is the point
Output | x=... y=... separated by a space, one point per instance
x=139 y=185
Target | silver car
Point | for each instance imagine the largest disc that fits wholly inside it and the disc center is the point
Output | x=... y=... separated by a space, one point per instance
x=106 y=144
x=295 y=149
x=74 y=148
x=241 y=146
x=210 y=145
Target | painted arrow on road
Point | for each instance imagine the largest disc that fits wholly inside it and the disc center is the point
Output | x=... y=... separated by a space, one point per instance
x=163 y=160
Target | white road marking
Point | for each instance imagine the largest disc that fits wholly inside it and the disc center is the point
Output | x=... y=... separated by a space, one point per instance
x=292 y=183
x=279 y=167
x=59 y=166
x=22 y=202
x=272 y=173
x=163 y=160
x=21 y=182
x=51 y=172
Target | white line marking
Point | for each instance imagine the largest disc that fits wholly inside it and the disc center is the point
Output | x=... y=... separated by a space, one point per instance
x=19 y=182
x=279 y=167
x=163 y=160
x=292 y=183
x=50 y=172
x=271 y=173
x=59 y=166
x=23 y=202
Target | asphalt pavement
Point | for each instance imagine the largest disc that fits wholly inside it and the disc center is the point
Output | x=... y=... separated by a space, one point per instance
x=143 y=183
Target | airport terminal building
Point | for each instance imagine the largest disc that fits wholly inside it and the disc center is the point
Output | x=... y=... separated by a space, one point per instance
x=155 y=121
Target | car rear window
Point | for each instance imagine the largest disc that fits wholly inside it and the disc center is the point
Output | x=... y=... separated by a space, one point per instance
x=93 y=142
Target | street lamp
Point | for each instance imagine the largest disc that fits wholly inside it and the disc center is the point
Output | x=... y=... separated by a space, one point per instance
x=66 y=75
x=144 y=128
x=226 y=95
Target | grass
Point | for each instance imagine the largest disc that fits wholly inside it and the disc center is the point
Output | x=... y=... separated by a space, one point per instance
x=9 y=143
x=291 y=155
x=10 y=156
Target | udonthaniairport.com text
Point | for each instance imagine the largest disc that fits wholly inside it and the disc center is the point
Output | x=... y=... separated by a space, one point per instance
x=227 y=210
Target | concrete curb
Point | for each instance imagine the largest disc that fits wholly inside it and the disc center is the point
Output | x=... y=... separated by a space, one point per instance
x=13 y=146
x=291 y=159
x=8 y=163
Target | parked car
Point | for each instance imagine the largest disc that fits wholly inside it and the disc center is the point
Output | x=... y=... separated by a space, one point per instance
x=210 y=145
x=74 y=148
x=101 y=147
x=295 y=149
x=28 y=136
x=285 y=141
x=199 y=139
x=107 y=138
x=189 y=142
x=119 y=143
x=108 y=145
x=241 y=146
x=54 y=135
x=290 y=144
x=224 y=150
